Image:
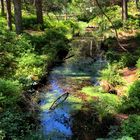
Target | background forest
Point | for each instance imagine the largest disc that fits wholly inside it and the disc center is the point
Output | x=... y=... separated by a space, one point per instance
x=36 y=35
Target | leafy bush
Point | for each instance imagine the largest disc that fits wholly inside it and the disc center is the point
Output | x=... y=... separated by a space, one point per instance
x=132 y=23
x=28 y=22
x=138 y=66
x=30 y=64
x=111 y=75
x=125 y=59
x=132 y=102
x=112 y=55
x=138 y=63
x=14 y=124
x=128 y=59
x=9 y=92
x=131 y=127
x=107 y=104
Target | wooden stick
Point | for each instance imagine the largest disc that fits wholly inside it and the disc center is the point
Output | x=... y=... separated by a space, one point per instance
x=54 y=105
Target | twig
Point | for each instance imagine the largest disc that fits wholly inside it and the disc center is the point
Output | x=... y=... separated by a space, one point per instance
x=68 y=57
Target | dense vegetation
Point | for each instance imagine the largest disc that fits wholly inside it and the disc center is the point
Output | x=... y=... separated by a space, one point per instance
x=38 y=34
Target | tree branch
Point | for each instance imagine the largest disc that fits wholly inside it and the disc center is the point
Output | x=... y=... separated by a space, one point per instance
x=55 y=104
x=117 y=37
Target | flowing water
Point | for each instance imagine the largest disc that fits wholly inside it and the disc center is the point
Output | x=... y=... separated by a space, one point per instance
x=56 y=123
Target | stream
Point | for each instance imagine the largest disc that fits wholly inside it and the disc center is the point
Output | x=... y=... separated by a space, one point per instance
x=57 y=123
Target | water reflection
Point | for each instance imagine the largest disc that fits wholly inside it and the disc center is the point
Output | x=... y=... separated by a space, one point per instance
x=56 y=123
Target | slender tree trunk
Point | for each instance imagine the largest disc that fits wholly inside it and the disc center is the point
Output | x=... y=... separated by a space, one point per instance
x=116 y=32
x=9 y=14
x=39 y=12
x=124 y=10
x=2 y=8
x=137 y=6
x=18 y=16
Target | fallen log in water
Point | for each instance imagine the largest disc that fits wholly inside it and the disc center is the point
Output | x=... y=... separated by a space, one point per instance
x=59 y=100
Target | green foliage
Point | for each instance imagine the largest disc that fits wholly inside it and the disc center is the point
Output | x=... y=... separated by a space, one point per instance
x=138 y=63
x=131 y=103
x=138 y=66
x=131 y=127
x=107 y=105
x=103 y=102
x=10 y=92
x=30 y=64
x=125 y=59
x=125 y=138
x=128 y=60
x=111 y=75
x=11 y=47
x=29 y=21
x=132 y=23
x=112 y=55
x=14 y=124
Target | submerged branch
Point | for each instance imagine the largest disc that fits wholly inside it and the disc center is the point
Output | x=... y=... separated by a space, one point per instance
x=63 y=97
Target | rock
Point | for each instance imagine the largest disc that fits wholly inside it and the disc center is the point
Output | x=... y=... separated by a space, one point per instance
x=107 y=87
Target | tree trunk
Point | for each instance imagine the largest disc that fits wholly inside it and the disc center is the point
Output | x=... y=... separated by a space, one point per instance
x=124 y=10
x=137 y=6
x=18 y=16
x=2 y=8
x=9 y=14
x=39 y=13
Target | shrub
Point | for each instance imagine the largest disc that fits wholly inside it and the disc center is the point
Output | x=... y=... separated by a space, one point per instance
x=9 y=92
x=14 y=124
x=138 y=63
x=106 y=105
x=28 y=22
x=125 y=138
x=30 y=64
x=124 y=59
x=111 y=75
x=112 y=56
x=128 y=59
x=131 y=127
x=132 y=102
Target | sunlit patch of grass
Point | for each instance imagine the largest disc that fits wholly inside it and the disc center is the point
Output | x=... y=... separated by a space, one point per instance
x=97 y=92
x=75 y=103
x=105 y=103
